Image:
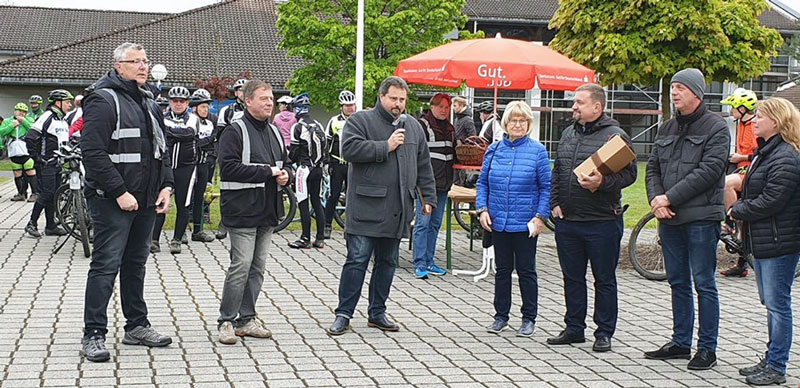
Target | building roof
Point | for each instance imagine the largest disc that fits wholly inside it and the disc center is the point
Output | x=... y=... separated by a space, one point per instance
x=792 y=94
x=27 y=29
x=222 y=39
x=778 y=20
x=530 y=10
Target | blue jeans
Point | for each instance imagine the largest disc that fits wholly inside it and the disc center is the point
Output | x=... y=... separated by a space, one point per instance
x=121 y=246
x=426 y=232
x=515 y=250
x=595 y=243
x=359 y=251
x=690 y=254
x=774 y=277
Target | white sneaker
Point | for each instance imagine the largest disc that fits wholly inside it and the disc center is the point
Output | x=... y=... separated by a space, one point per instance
x=253 y=328
x=226 y=334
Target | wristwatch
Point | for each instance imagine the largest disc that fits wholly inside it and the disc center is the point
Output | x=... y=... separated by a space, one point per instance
x=482 y=210
x=540 y=216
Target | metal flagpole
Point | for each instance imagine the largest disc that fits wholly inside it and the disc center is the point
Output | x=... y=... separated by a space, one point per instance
x=360 y=56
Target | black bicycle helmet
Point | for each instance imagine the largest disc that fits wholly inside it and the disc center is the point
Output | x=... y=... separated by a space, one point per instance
x=486 y=107
x=59 y=95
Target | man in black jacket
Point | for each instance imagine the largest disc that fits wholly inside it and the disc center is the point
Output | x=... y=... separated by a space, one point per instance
x=253 y=165
x=588 y=216
x=227 y=115
x=685 y=181
x=128 y=181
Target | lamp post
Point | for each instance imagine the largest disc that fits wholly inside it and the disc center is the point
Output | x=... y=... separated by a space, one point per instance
x=159 y=73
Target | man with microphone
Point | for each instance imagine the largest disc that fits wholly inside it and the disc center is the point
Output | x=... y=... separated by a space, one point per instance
x=390 y=166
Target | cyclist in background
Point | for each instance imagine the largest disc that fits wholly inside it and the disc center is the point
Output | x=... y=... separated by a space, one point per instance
x=743 y=109
x=285 y=119
x=491 y=130
x=36 y=110
x=15 y=129
x=337 y=167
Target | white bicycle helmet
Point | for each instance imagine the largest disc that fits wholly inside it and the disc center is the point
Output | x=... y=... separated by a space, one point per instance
x=347 y=97
x=179 y=92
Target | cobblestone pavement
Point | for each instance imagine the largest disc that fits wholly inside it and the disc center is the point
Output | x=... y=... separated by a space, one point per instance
x=442 y=341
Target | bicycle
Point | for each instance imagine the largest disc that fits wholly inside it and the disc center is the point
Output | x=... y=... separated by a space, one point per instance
x=71 y=207
x=289 y=201
x=647 y=257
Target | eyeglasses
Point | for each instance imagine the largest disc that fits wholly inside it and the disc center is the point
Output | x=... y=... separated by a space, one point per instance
x=521 y=123
x=137 y=62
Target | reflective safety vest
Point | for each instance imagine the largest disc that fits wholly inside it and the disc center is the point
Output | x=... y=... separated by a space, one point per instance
x=440 y=149
x=232 y=185
x=127 y=140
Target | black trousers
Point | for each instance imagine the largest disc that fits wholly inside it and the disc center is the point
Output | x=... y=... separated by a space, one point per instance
x=121 y=246
x=314 y=180
x=183 y=176
x=198 y=193
x=49 y=180
x=338 y=173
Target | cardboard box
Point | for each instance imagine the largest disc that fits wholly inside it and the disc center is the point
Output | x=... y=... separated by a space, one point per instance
x=611 y=158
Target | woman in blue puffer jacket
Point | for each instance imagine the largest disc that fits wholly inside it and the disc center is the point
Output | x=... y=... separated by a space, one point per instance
x=513 y=194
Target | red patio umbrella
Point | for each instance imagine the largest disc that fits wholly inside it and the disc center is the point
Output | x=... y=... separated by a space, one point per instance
x=494 y=63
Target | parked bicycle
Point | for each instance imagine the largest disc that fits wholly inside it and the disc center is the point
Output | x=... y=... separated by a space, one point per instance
x=71 y=207
x=644 y=248
x=290 y=204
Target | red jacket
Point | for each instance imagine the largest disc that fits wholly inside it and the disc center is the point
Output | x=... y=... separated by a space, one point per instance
x=77 y=126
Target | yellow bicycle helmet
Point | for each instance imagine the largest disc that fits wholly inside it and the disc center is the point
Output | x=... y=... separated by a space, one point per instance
x=741 y=97
x=21 y=107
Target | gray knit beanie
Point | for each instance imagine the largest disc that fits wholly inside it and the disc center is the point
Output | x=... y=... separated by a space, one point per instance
x=693 y=79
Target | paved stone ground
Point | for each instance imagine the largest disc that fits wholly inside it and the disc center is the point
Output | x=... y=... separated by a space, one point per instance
x=442 y=341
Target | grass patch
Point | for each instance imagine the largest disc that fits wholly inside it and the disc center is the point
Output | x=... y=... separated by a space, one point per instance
x=635 y=195
x=5 y=165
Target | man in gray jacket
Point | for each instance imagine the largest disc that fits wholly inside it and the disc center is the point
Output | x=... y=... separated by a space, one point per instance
x=685 y=181
x=389 y=165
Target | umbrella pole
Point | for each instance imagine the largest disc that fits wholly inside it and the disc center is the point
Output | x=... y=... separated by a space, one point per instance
x=495 y=100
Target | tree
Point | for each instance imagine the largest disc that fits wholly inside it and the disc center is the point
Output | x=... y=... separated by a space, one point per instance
x=219 y=88
x=323 y=34
x=642 y=41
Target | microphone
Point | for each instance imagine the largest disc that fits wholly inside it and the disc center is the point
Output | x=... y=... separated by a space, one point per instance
x=400 y=121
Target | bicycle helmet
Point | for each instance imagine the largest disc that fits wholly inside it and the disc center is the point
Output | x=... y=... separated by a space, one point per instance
x=486 y=107
x=741 y=97
x=59 y=95
x=285 y=100
x=162 y=102
x=21 y=107
x=301 y=103
x=179 y=92
x=200 y=96
x=347 y=97
x=239 y=83
x=36 y=99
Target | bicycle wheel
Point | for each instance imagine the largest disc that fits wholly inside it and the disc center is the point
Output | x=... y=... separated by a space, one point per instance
x=461 y=213
x=64 y=213
x=79 y=207
x=289 y=204
x=644 y=248
x=338 y=215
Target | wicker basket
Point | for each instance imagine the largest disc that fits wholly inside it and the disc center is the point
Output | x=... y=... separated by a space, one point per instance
x=471 y=152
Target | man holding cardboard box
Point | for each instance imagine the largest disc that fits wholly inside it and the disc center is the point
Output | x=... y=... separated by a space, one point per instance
x=593 y=164
x=685 y=181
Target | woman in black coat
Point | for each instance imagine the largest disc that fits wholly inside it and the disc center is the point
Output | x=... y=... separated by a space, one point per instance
x=770 y=209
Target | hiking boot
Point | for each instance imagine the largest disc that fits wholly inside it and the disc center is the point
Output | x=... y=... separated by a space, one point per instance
x=227 y=335
x=253 y=328
x=766 y=376
x=669 y=351
x=300 y=244
x=497 y=326
x=326 y=233
x=33 y=197
x=526 y=329
x=18 y=198
x=154 y=247
x=203 y=236
x=436 y=271
x=420 y=273
x=751 y=370
x=174 y=247
x=735 y=271
x=55 y=231
x=318 y=243
x=94 y=348
x=146 y=336
x=703 y=360
x=32 y=231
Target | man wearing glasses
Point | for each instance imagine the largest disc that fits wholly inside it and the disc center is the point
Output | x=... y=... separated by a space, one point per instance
x=128 y=181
